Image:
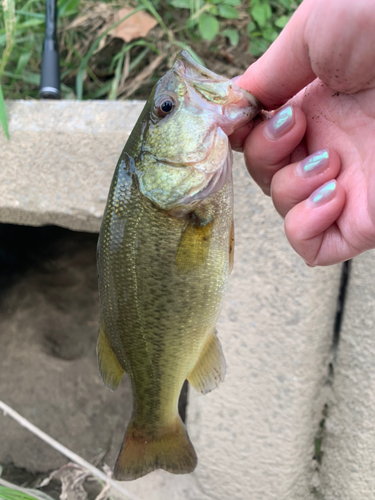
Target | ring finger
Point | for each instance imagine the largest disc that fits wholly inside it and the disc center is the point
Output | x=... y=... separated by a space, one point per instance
x=295 y=183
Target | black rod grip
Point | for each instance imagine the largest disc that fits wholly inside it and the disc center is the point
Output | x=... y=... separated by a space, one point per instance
x=50 y=70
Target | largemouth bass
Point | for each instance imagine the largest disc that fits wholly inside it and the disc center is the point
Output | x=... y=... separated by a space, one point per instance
x=164 y=255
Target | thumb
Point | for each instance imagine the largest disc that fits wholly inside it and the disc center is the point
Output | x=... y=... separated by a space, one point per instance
x=285 y=68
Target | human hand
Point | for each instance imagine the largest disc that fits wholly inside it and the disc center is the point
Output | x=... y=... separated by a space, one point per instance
x=324 y=58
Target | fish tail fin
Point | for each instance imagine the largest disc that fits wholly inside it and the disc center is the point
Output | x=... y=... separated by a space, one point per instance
x=169 y=449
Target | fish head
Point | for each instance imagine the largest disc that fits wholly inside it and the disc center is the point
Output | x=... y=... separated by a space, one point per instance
x=185 y=153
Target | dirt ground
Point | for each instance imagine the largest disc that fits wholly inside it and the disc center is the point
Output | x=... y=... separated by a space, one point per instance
x=48 y=373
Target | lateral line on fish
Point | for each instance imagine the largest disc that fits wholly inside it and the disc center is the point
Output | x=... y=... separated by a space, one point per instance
x=136 y=298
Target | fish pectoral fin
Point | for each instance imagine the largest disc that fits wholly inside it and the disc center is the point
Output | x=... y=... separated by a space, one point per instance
x=231 y=248
x=110 y=369
x=194 y=245
x=210 y=368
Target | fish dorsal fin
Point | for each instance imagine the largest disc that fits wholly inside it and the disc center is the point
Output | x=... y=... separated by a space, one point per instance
x=231 y=248
x=194 y=245
x=110 y=369
x=210 y=368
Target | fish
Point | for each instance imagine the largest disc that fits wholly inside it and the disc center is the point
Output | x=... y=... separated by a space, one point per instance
x=165 y=251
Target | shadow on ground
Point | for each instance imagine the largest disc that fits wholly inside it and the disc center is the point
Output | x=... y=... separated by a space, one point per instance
x=48 y=373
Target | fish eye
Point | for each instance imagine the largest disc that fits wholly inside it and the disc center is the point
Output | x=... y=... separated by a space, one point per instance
x=165 y=107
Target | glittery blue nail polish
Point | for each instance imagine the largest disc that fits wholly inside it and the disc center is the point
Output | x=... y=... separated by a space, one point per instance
x=280 y=123
x=324 y=193
x=313 y=164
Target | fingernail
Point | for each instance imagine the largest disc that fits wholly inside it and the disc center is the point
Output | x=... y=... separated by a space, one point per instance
x=313 y=164
x=324 y=193
x=280 y=123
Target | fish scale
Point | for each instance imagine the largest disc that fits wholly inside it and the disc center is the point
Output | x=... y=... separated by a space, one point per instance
x=164 y=260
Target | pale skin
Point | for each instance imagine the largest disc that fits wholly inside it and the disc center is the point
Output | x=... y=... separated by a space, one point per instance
x=323 y=67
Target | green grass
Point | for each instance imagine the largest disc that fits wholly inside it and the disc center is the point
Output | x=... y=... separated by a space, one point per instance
x=95 y=66
x=8 y=493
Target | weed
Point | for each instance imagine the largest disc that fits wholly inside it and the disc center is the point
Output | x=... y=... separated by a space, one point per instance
x=9 y=35
x=224 y=34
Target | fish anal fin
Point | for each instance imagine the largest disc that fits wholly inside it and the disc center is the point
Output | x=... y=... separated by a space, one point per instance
x=169 y=449
x=194 y=246
x=210 y=368
x=110 y=369
x=231 y=248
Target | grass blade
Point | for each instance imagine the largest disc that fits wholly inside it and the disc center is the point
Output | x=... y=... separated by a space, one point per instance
x=10 y=30
x=9 y=491
x=116 y=80
x=66 y=452
x=3 y=115
x=10 y=23
x=12 y=494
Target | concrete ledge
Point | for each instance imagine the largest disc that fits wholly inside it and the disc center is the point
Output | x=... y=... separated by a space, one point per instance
x=347 y=471
x=58 y=164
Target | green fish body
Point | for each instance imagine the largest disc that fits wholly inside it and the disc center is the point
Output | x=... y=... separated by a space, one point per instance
x=164 y=256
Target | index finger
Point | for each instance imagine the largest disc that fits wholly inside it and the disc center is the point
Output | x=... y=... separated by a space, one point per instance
x=285 y=68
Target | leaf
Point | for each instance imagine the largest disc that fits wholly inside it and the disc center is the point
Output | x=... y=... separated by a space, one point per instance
x=282 y=21
x=251 y=27
x=228 y=11
x=269 y=34
x=22 y=61
x=208 y=26
x=232 y=35
x=235 y=3
x=181 y=4
x=261 y=12
x=288 y=4
x=258 y=46
x=3 y=115
x=136 y=26
x=67 y=6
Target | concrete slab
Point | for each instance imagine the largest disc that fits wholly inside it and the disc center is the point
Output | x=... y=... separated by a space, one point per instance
x=57 y=166
x=347 y=471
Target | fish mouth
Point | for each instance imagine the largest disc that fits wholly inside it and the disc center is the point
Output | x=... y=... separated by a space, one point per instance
x=211 y=84
x=189 y=68
x=213 y=91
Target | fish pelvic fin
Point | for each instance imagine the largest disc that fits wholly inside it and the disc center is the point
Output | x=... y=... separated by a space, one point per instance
x=210 y=368
x=109 y=367
x=142 y=452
